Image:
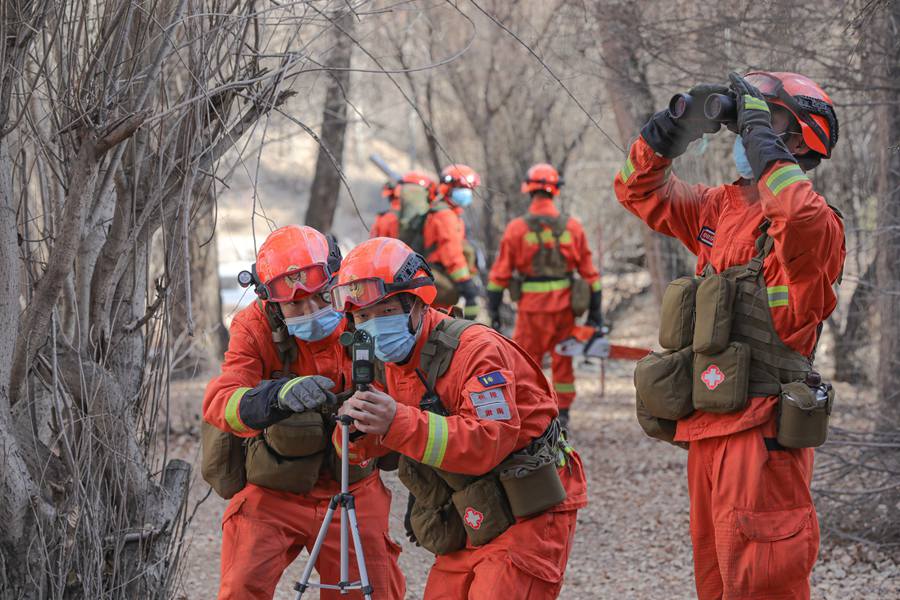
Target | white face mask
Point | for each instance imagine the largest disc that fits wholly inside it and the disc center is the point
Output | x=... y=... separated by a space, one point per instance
x=741 y=162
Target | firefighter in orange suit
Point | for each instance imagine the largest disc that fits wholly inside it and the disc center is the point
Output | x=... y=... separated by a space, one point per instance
x=451 y=248
x=546 y=249
x=385 y=224
x=753 y=523
x=263 y=529
x=457 y=415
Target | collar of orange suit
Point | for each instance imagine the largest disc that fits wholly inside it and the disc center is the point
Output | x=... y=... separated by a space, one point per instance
x=743 y=191
x=544 y=207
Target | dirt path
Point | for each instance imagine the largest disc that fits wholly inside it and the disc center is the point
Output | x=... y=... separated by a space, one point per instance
x=632 y=540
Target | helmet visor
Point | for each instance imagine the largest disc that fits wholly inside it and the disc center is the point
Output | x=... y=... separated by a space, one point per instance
x=765 y=83
x=357 y=293
x=307 y=280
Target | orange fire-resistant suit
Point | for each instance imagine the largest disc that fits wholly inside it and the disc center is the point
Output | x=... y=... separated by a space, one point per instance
x=387 y=224
x=544 y=312
x=264 y=530
x=753 y=523
x=528 y=559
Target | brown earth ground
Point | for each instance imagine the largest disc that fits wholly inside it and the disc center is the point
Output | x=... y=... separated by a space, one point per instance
x=632 y=540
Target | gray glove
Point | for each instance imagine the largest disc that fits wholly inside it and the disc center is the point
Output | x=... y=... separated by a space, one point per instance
x=305 y=393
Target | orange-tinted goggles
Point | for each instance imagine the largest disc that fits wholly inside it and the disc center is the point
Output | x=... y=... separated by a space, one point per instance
x=365 y=292
x=307 y=280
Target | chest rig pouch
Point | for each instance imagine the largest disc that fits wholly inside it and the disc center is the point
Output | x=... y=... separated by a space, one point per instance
x=729 y=341
x=452 y=509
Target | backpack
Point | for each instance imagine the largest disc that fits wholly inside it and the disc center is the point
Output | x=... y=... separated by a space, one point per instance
x=415 y=206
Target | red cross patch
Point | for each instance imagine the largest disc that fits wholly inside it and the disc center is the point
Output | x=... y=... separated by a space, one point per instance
x=473 y=518
x=712 y=377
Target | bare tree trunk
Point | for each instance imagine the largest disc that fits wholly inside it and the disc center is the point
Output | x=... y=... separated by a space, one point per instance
x=633 y=103
x=326 y=185
x=887 y=271
x=206 y=347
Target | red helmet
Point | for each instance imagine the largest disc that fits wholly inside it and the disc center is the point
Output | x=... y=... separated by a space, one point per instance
x=421 y=179
x=542 y=177
x=378 y=269
x=804 y=99
x=296 y=261
x=458 y=176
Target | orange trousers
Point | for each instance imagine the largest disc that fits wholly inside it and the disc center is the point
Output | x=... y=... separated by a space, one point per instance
x=538 y=333
x=753 y=524
x=264 y=530
x=525 y=562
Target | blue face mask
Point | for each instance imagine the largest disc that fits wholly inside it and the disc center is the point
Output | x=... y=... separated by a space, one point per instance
x=393 y=341
x=739 y=153
x=461 y=197
x=314 y=327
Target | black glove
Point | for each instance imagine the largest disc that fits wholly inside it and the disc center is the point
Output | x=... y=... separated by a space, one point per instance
x=494 y=301
x=258 y=407
x=468 y=290
x=407 y=519
x=595 y=310
x=669 y=137
x=754 y=122
x=301 y=394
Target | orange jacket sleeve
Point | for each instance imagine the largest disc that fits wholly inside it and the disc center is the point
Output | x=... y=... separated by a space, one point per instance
x=809 y=236
x=647 y=189
x=585 y=260
x=242 y=370
x=443 y=231
x=504 y=265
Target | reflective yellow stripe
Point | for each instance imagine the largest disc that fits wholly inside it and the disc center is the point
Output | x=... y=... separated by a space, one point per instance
x=495 y=287
x=471 y=311
x=596 y=286
x=546 y=236
x=284 y=389
x=564 y=388
x=531 y=238
x=754 y=103
x=231 y=410
x=437 y=440
x=778 y=295
x=539 y=287
x=627 y=170
x=460 y=273
x=566 y=237
x=783 y=177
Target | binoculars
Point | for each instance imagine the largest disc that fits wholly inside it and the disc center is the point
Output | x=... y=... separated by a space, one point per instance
x=719 y=108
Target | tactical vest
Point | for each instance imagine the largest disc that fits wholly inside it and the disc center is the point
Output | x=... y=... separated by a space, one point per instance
x=287 y=456
x=722 y=348
x=450 y=508
x=549 y=267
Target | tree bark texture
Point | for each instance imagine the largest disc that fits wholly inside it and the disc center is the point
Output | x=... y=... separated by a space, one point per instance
x=326 y=185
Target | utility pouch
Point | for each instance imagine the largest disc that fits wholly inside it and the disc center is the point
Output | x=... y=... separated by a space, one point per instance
x=515 y=288
x=664 y=383
x=267 y=469
x=301 y=434
x=484 y=511
x=447 y=294
x=803 y=415
x=424 y=483
x=660 y=429
x=721 y=380
x=532 y=491
x=222 y=464
x=580 y=296
x=676 y=320
x=438 y=530
x=712 y=325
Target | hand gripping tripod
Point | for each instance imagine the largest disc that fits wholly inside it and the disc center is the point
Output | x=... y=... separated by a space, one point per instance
x=362 y=350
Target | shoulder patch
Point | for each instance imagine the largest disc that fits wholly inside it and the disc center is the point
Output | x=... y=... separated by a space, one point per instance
x=490 y=405
x=492 y=379
x=707 y=236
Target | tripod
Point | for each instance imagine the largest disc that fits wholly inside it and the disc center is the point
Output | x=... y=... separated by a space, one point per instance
x=348 y=511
